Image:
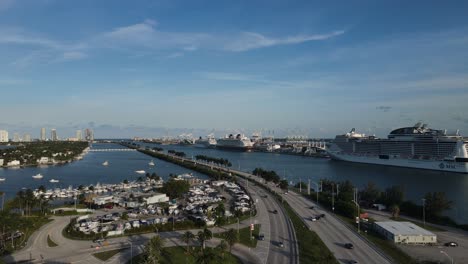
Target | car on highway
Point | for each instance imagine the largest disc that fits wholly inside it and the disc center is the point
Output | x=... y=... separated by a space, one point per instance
x=451 y=244
x=348 y=246
x=322 y=215
x=311 y=207
x=280 y=244
x=100 y=240
x=275 y=211
x=261 y=237
x=352 y=261
x=313 y=219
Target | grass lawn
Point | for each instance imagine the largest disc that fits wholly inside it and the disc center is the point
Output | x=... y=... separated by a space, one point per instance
x=244 y=236
x=51 y=243
x=311 y=247
x=176 y=255
x=104 y=256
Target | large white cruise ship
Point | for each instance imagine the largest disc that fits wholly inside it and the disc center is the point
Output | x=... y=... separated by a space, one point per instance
x=237 y=142
x=413 y=147
x=209 y=142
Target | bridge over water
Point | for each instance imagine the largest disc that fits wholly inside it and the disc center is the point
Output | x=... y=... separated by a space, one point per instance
x=111 y=150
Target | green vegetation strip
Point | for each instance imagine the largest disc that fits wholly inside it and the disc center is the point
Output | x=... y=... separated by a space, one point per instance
x=51 y=243
x=244 y=236
x=311 y=247
x=104 y=256
x=176 y=255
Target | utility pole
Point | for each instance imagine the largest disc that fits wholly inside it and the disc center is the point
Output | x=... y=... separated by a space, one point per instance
x=308 y=188
x=300 y=185
x=357 y=206
x=333 y=197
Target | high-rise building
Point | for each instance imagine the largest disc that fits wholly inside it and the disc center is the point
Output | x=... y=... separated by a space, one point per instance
x=53 y=134
x=16 y=137
x=3 y=136
x=43 y=134
x=89 y=136
x=27 y=138
x=79 y=137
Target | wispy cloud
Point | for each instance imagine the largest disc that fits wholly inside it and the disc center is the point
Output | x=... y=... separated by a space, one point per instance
x=74 y=55
x=147 y=35
x=251 y=40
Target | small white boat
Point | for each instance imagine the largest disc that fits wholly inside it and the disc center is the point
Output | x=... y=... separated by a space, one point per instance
x=38 y=176
x=54 y=180
x=106 y=163
x=140 y=171
x=151 y=163
x=2 y=179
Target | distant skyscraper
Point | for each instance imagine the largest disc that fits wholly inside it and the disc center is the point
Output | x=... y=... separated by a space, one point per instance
x=89 y=136
x=53 y=134
x=78 y=135
x=3 y=136
x=16 y=137
x=27 y=138
x=43 y=134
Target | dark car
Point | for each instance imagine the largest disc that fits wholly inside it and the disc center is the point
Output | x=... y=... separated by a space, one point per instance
x=322 y=215
x=261 y=237
x=99 y=240
x=451 y=244
x=348 y=246
x=311 y=207
x=275 y=211
x=280 y=244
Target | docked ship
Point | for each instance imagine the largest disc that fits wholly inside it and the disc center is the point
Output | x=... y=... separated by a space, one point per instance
x=418 y=147
x=235 y=142
x=209 y=142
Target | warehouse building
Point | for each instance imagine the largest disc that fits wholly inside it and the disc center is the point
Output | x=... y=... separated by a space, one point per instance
x=405 y=233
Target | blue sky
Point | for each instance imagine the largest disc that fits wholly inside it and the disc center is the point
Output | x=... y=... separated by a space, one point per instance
x=142 y=68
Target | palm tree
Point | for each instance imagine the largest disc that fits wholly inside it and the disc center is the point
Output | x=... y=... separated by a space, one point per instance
x=205 y=256
x=153 y=250
x=187 y=237
x=222 y=247
x=203 y=236
x=231 y=237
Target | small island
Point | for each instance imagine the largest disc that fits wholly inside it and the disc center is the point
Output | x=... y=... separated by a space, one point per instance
x=42 y=153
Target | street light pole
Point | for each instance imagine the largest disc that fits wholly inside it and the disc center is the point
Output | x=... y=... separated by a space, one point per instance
x=424 y=210
x=357 y=206
x=333 y=197
x=445 y=253
x=131 y=252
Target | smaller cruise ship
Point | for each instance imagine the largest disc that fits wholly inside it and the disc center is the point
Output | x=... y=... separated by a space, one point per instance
x=235 y=142
x=209 y=142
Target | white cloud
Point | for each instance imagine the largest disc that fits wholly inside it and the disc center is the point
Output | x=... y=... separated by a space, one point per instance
x=146 y=35
x=74 y=55
x=251 y=40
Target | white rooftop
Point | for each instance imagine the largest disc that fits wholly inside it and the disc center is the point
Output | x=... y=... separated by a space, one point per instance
x=404 y=228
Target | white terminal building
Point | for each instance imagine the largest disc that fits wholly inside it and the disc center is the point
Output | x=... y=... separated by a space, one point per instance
x=3 y=136
x=405 y=233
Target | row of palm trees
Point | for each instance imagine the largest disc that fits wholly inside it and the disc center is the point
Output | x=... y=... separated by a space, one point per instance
x=26 y=202
x=155 y=247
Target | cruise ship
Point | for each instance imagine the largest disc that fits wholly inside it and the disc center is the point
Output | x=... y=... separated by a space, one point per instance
x=418 y=147
x=235 y=142
x=209 y=142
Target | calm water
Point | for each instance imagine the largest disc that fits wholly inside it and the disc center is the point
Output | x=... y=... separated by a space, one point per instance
x=123 y=164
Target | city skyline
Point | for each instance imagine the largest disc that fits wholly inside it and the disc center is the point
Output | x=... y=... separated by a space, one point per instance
x=152 y=68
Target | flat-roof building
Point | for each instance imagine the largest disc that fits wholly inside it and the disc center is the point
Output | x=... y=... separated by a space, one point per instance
x=405 y=233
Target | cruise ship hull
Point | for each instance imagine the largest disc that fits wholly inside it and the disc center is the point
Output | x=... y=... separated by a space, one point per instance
x=438 y=165
x=235 y=148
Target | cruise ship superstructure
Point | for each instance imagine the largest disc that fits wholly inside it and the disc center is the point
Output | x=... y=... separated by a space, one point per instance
x=235 y=142
x=209 y=142
x=417 y=147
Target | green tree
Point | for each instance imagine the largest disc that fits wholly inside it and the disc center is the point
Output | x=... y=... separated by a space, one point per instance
x=231 y=237
x=206 y=256
x=370 y=193
x=436 y=203
x=175 y=188
x=222 y=247
x=395 y=209
x=187 y=237
x=283 y=184
x=153 y=250
x=204 y=236
x=394 y=195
